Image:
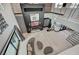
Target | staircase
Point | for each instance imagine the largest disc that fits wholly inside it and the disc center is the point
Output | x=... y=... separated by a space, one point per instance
x=73 y=39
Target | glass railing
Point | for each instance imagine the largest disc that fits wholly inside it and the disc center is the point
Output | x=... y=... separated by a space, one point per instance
x=12 y=45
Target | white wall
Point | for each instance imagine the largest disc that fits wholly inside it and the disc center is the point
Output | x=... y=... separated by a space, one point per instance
x=8 y=15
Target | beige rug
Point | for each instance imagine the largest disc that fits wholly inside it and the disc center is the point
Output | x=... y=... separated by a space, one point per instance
x=56 y=40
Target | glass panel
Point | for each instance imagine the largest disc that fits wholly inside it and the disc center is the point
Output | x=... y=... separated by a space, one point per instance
x=10 y=50
x=15 y=40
